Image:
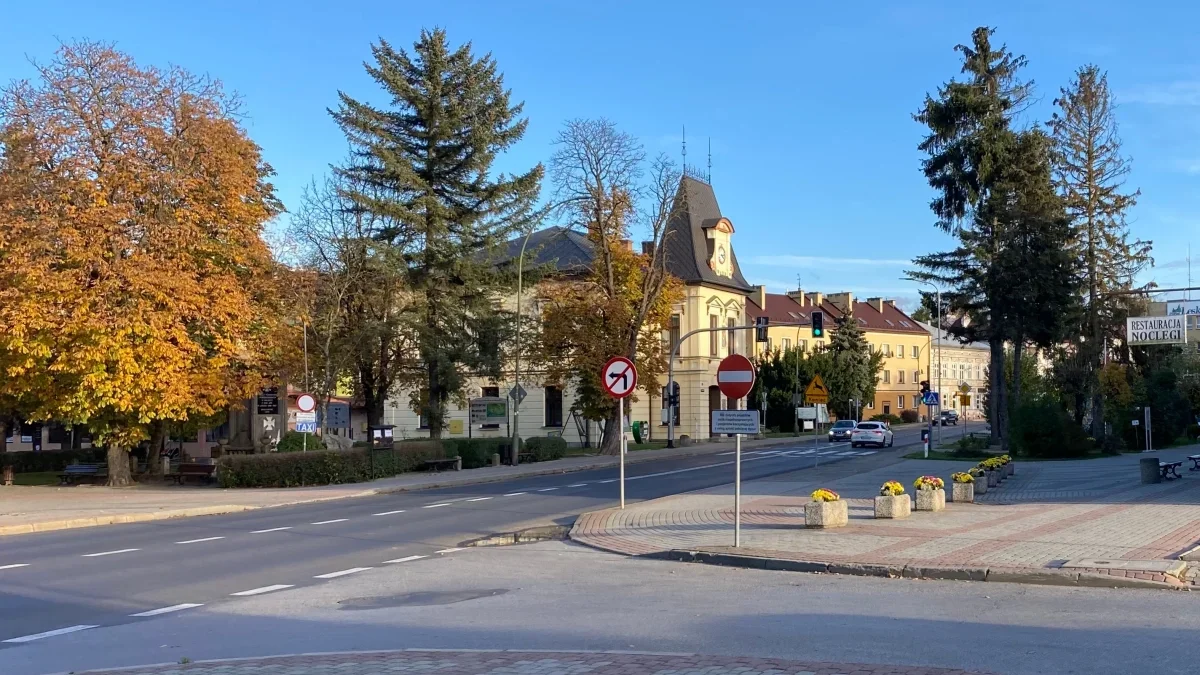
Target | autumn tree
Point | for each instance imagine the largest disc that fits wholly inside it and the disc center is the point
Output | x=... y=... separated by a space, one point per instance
x=622 y=304
x=134 y=281
x=1090 y=172
x=423 y=164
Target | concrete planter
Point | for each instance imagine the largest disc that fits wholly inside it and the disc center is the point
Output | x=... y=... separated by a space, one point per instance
x=931 y=500
x=964 y=492
x=898 y=506
x=826 y=514
x=1010 y=468
x=993 y=478
x=981 y=485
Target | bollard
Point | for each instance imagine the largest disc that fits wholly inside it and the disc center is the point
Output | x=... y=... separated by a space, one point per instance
x=1150 y=472
x=8 y=475
x=495 y=459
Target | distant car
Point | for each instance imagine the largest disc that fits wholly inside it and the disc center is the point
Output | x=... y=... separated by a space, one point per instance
x=841 y=430
x=871 y=433
x=948 y=417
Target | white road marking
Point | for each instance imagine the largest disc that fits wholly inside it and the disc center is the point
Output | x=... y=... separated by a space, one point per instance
x=197 y=541
x=264 y=589
x=434 y=506
x=405 y=559
x=50 y=633
x=479 y=499
x=828 y=452
x=13 y=567
x=168 y=610
x=731 y=452
x=449 y=550
x=869 y=452
x=327 y=522
x=273 y=529
x=847 y=454
x=514 y=494
x=577 y=485
x=123 y=550
x=806 y=452
x=546 y=489
x=389 y=513
x=342 y=573
x=610 y=480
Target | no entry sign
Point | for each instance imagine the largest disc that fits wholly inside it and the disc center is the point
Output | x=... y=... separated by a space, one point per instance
x=306 y=403
x=619 y=377
x=735 y=376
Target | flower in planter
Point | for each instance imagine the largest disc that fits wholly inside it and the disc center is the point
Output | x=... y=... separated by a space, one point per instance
x=962 y=477
x=929 y=483
x=976 y=471
x=1004 y=459
x=892 y=488
x=825 y=495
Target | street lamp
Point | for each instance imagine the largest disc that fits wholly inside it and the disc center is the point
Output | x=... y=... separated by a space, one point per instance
x=516 y=430
x=938 y=329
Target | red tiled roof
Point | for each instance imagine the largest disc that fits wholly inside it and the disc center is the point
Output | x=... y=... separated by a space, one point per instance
x=781 y=307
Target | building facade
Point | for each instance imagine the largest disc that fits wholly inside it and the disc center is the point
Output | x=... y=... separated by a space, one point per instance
x=958 y=367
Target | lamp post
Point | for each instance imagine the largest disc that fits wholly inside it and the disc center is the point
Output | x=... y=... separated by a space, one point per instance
x=938 y=330
x=516 y=430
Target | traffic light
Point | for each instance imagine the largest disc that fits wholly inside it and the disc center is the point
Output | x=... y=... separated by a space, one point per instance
x=760 y=329
x=818 y=324
x=924 y=388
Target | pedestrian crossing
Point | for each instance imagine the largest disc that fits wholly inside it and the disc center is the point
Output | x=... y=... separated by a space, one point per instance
x=810 y=452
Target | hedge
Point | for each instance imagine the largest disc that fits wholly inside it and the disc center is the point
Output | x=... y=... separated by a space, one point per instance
x=294 y=441
x=886 y=417
x=50 y=460
x=546 y=448
x=476 y=452
x=324 y=467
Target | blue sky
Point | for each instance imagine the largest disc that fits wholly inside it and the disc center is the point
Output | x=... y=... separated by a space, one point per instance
x=808 y=105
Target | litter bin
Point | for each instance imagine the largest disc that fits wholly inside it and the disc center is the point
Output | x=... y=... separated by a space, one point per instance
x=638 y=430
x=1150 y=472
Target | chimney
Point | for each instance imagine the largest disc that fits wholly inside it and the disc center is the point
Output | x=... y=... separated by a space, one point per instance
x=877 y=303
x=843 y=301
x=648 y=249
x=628 y=244
x=760 y=297
x=815 y=299
x=797 y=295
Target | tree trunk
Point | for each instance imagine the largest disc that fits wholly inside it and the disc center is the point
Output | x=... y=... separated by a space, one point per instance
x=996 y=387
x=158 y=434
x=610 y=440
x=1015 y=401
x=118 y=467
x=434 y=402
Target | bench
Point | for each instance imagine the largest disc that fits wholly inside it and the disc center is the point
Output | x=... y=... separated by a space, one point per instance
x=191 y=470
x=1170 y=470
x=452 y=463
x=1195 y=462
x=525 y=458
x=76 y=473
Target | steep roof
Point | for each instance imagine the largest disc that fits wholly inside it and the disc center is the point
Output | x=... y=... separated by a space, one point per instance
x=782 y=308
x=947 y=338
x=890 y=320
x=685 y=243
x=562 y=248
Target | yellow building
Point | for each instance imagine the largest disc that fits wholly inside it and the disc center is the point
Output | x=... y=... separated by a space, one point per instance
x=887 y=329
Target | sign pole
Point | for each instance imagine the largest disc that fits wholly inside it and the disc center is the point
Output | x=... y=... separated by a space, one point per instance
x=737 y=491
x=621 y=430
x=619 y=379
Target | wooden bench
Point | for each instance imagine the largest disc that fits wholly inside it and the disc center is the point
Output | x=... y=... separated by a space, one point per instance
x=525 y=458
x=1195 y=462
x=1170 y=470
x=76 y=473
x=452 y=463
x=192 y=470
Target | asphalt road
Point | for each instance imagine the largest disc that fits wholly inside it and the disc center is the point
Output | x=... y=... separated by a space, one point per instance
x=56 y=583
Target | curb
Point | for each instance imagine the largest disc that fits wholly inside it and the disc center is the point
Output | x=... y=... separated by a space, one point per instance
x=72 y=523
x=1019 y=575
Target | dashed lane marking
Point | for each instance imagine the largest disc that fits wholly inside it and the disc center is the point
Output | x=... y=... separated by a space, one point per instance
x=263 y=589
x=869 y=452
x=122 y=550
x=168 y=610
x=479 y=499
x=731 y=452
x=514 y=494
x=13 y=566
x=342 y=573
x=273 y=529
x=389 y=513
x=327 y=522
x=51 y=633
x=577 y=485
x=548 y=489
x=404 y=559
x=434 y=506
x=197 y=541
x=449 y=550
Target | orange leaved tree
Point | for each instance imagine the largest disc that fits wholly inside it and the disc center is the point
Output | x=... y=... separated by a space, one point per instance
x=135 y=285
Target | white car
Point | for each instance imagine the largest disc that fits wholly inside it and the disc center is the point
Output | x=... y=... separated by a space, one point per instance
x=871 y=433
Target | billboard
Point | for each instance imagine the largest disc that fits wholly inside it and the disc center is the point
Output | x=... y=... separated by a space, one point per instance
x=1156 y=330
x=1183 y=307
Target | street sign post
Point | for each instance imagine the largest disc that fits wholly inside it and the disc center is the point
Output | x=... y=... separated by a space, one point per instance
x=619 y=379
x=931 y=398
x=735 y=379
x=517 y=393
x=816 y=392
x=735 y=422
x=306 y=419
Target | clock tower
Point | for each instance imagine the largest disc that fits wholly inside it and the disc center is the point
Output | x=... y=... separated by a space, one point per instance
x=720 y=258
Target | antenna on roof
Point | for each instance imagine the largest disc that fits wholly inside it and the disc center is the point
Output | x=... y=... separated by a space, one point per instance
x=710 y=166
x=685 y=146
x=799 y=286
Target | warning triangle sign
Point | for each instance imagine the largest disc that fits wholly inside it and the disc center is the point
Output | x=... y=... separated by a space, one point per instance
x=816 y=388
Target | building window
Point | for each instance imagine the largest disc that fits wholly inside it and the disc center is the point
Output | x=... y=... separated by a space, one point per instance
x=886 y=349
x=493 y=392
x=887 y=377
x=870 y=405
x=899 y=351
x=820 y=345
x=900 y=378
x=900 y=402
x=787 y=344
x=731 y=336
x=803 y=345
x=554 y=407
x=916 y=376
x=713 y=336
x=674 y=333
x=916 y=352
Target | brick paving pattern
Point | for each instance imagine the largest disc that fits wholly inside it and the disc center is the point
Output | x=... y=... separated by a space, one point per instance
x=449 y=662
x=1044 y=515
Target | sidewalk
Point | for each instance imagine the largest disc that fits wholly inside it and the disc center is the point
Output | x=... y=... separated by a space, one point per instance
x=473 y=662
x=41 y=509
x=1088 y=522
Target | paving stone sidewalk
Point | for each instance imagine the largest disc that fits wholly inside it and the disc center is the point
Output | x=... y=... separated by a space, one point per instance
x=1047 y=514
x=470 y=662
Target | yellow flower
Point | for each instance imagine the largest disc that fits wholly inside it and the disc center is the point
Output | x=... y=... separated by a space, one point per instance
x=825 y=495
x=961 y=477
x=891 y=489
x=929 y=483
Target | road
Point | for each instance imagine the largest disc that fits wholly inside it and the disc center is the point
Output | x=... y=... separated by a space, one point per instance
x=57 y=583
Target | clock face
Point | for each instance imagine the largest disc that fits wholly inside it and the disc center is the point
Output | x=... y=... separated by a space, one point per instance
x=721 y=255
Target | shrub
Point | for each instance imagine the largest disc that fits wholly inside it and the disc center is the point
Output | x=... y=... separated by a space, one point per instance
x=50 y=460
x=892 y=488
x=294 y=441
x=1041 y=428
x=1112 y=444
x=929 y=483
x=909 y=416
x=825 y=495
x=323 y=467
x=546 y=448
x=1193 y=432
x=970 y=447
x=886 y=417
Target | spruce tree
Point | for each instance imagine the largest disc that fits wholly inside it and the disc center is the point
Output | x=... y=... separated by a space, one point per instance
x=854 y=368
x=425 y=163
x=1090 y=174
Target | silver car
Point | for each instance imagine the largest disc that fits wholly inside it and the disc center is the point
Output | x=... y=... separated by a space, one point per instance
x=871 y=433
